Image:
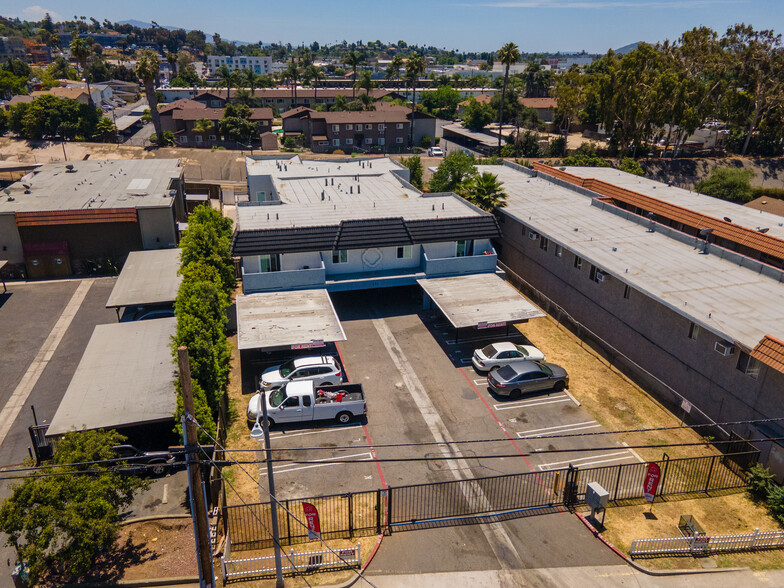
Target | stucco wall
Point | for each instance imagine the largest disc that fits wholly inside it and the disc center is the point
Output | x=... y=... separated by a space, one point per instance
x=10 y=243
x=157 y=228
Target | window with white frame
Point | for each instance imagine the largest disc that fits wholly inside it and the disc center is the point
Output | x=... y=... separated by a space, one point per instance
x=335 y=128
x=578 y=262
x=694 y=331
x=349 y=141
x=215 y=103
x=183 y=139
x=399 y=125
x=381 y=127
x=198 y=138
x=324 y=143
x=368 y=126
x=336 y=142
x=398 y=139
x=558 y=251
x=748 y=365
x=340 y=256
x=261 y=196
x=349 y=127
x=465 y=248
x=269 y=263
x=213 y=138
x=381 y=141
x=544 y=243
x=368 y=141
x=404 y=252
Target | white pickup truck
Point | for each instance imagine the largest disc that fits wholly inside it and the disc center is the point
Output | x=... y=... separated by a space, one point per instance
x=299 y=402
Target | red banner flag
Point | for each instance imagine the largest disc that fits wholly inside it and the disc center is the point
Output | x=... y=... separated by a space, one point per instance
x=312 y=516
x=651 y=481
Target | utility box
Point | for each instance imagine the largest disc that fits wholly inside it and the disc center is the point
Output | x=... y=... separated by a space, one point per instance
x=596 y=497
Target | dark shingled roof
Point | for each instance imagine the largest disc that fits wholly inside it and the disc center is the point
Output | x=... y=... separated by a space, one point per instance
x=361 y=234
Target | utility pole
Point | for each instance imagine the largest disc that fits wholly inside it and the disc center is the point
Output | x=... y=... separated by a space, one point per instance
x=273 y=503
x=201 y=529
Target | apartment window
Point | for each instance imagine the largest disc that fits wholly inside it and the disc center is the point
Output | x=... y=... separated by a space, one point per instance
x=381 y=127
x=349 y=127
x=694 y=331
x=398 y=139
x=544 y=243
x=213 y=137
x=324 y=143
x=399 y=126
x=198 y=138
x=558 y=250
x=215 y=103
x=349 y=141
x=578 y=262
x=748 y=365
x=269 y=263
x=368 y=127
x=183 y=139
x=596 y=274
x=340 y=256
x=368 y=141
x=404 y=252
x=464 y=248
x=627 y=291
x=336 y=142
x=335 y=128
x=381 y=141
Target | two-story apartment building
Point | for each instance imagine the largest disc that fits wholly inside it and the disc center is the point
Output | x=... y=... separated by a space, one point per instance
x=181 y=118
x=666 y=280
x=385 y=131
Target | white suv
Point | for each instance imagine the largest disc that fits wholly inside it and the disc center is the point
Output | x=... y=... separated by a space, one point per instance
x=323 y=370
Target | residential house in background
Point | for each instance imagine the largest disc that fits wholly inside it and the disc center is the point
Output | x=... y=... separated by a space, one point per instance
x=78 y=94
x=379 y=131
x=545 y=107
x=294 y=120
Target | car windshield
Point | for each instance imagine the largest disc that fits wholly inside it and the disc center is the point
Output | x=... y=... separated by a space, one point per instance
x=277 y=397
x=506 y=373
x=522 y=350
x=489 y=351
x=287 y=368
x=545 y=369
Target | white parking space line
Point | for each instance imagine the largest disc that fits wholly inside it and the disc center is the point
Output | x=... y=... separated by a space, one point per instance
x=589 y=461
x=165 y=499
x=285 y=468
x=465 y=360
x=22 y=392
x=481 y=382
x=633 y=452
x=534 y=402
x=279 y=435
x=558 y=429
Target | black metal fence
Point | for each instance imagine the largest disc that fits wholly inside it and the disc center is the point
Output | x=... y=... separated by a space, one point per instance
x=479 y=499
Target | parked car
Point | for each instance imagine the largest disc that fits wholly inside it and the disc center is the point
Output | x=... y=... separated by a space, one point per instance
x=159 y=461
x=527 y=376
x=145 y=313
x=496 y=355
x=435 y=152
x=302 y=401
x=322 y=369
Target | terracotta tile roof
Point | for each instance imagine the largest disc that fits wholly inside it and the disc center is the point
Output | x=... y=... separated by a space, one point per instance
x=770 y=351
x=481 y=98
x=539 y=102
x=744 y=236
x=76 y=217
x=180 y=104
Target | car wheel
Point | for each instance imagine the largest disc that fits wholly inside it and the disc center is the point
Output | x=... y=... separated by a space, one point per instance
x=158 y=469
x=514 y=394
x=343 y=417
x=559 y=386
x=270 y=422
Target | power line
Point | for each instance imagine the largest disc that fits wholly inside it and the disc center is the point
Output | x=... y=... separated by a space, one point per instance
x=83 y=463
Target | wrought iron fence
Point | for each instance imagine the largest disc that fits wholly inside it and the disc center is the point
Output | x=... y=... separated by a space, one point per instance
x=479 y=499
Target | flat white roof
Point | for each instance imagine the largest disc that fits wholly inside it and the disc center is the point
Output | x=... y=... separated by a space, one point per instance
x=736 y=303
x=281 y=319
x=707 y=205
x=472 y=300
x=148 y=277
x=125 y=377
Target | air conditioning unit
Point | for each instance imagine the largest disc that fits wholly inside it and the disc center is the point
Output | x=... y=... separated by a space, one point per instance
x=600 y=277
x=533 y=236
x=724 y=348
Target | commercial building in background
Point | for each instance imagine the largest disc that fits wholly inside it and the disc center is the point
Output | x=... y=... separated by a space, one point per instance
x=683 y=290
x=258 y=64
x=65 y=218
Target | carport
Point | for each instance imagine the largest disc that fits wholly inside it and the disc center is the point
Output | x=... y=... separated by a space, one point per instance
x=124 y=379
x=298 y=319
x=481 y=301
x=148 y=278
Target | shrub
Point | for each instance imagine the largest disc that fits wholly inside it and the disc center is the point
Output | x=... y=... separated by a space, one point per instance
x=426 y=142
x=414 y=165
x=338 y=152
x=289 y=143
x=556 y=147
x=728 y=183
x=630 y=165
x=760 y=482
x=776 y=503
x=581 y=160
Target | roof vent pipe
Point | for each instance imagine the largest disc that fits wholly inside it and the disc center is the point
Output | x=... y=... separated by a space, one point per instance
x=442 y=206
x=434 y=207
x=357 y=189
x=326 y=181
x=277 y=216
x=322 y=195
x=351 y=189
x=332 y=181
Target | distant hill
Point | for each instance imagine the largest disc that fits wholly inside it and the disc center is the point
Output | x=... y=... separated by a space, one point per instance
x=626 y=48
x=147 y=25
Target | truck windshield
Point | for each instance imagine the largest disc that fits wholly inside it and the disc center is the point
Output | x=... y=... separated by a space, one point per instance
x=277 y=397
x=287 y=368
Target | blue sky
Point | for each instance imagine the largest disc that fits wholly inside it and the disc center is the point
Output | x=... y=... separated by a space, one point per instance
x=469 y=25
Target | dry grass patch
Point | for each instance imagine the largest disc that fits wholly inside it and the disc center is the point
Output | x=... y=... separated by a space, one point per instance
x=718 y=515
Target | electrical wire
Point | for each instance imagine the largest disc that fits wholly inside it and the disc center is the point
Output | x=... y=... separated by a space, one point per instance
x=274 y=499
x=83 y=463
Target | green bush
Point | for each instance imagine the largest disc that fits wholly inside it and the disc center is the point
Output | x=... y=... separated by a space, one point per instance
x=776 y=503
x=760 y=482
x=289 y=143
x=757 y=192
x=630 y=165
x=167 y=139
x=414 y=165
x=582 y=160
x=556 y=147
x=728 y=183
x=426 y=142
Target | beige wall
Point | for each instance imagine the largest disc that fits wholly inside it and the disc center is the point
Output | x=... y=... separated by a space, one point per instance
x=157 y=228
x=10 y=243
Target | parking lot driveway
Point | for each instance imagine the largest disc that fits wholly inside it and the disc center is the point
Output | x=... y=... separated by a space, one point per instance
x=167 y=495
x=36 y=309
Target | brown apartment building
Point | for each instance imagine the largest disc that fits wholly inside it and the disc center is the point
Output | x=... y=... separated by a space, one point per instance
x=282 y=99
x=383 y=131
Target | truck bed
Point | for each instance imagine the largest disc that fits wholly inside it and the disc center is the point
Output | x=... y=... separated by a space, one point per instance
x=353 y=393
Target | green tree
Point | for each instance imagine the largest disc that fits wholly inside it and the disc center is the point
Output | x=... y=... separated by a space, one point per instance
x=147 y=68
x=415 y=69
x=477 y=115
x=227 y=79
x=63 y=523
x=441 y=102
x=11 y=85
x=568 y=95
x=293 y=73
x=414 y=165
x=631 y=166
x=728 y=183
x=508 y=54
x=203 y=125
x=353 y=60
x=455 y=169
x=365 y=81
x=393 y=69
x=208 y=240
x=81 y=53
x=105 y=131
x=484 y=191
x=236 y=124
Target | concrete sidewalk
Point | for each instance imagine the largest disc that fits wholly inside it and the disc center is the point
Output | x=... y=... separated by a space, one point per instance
x=584 y=577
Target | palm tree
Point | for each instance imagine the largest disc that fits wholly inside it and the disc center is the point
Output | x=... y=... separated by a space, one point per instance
x=365 y=81
x=293 y=74
x=415 y=68
x=353 y=60
x=508 y=54
x=171 y=58
x=393 y=70
x=81 y=52
x=253 y=81
x=314 y=75
x=147 y=68
x=226 y=78
x=484 y=191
